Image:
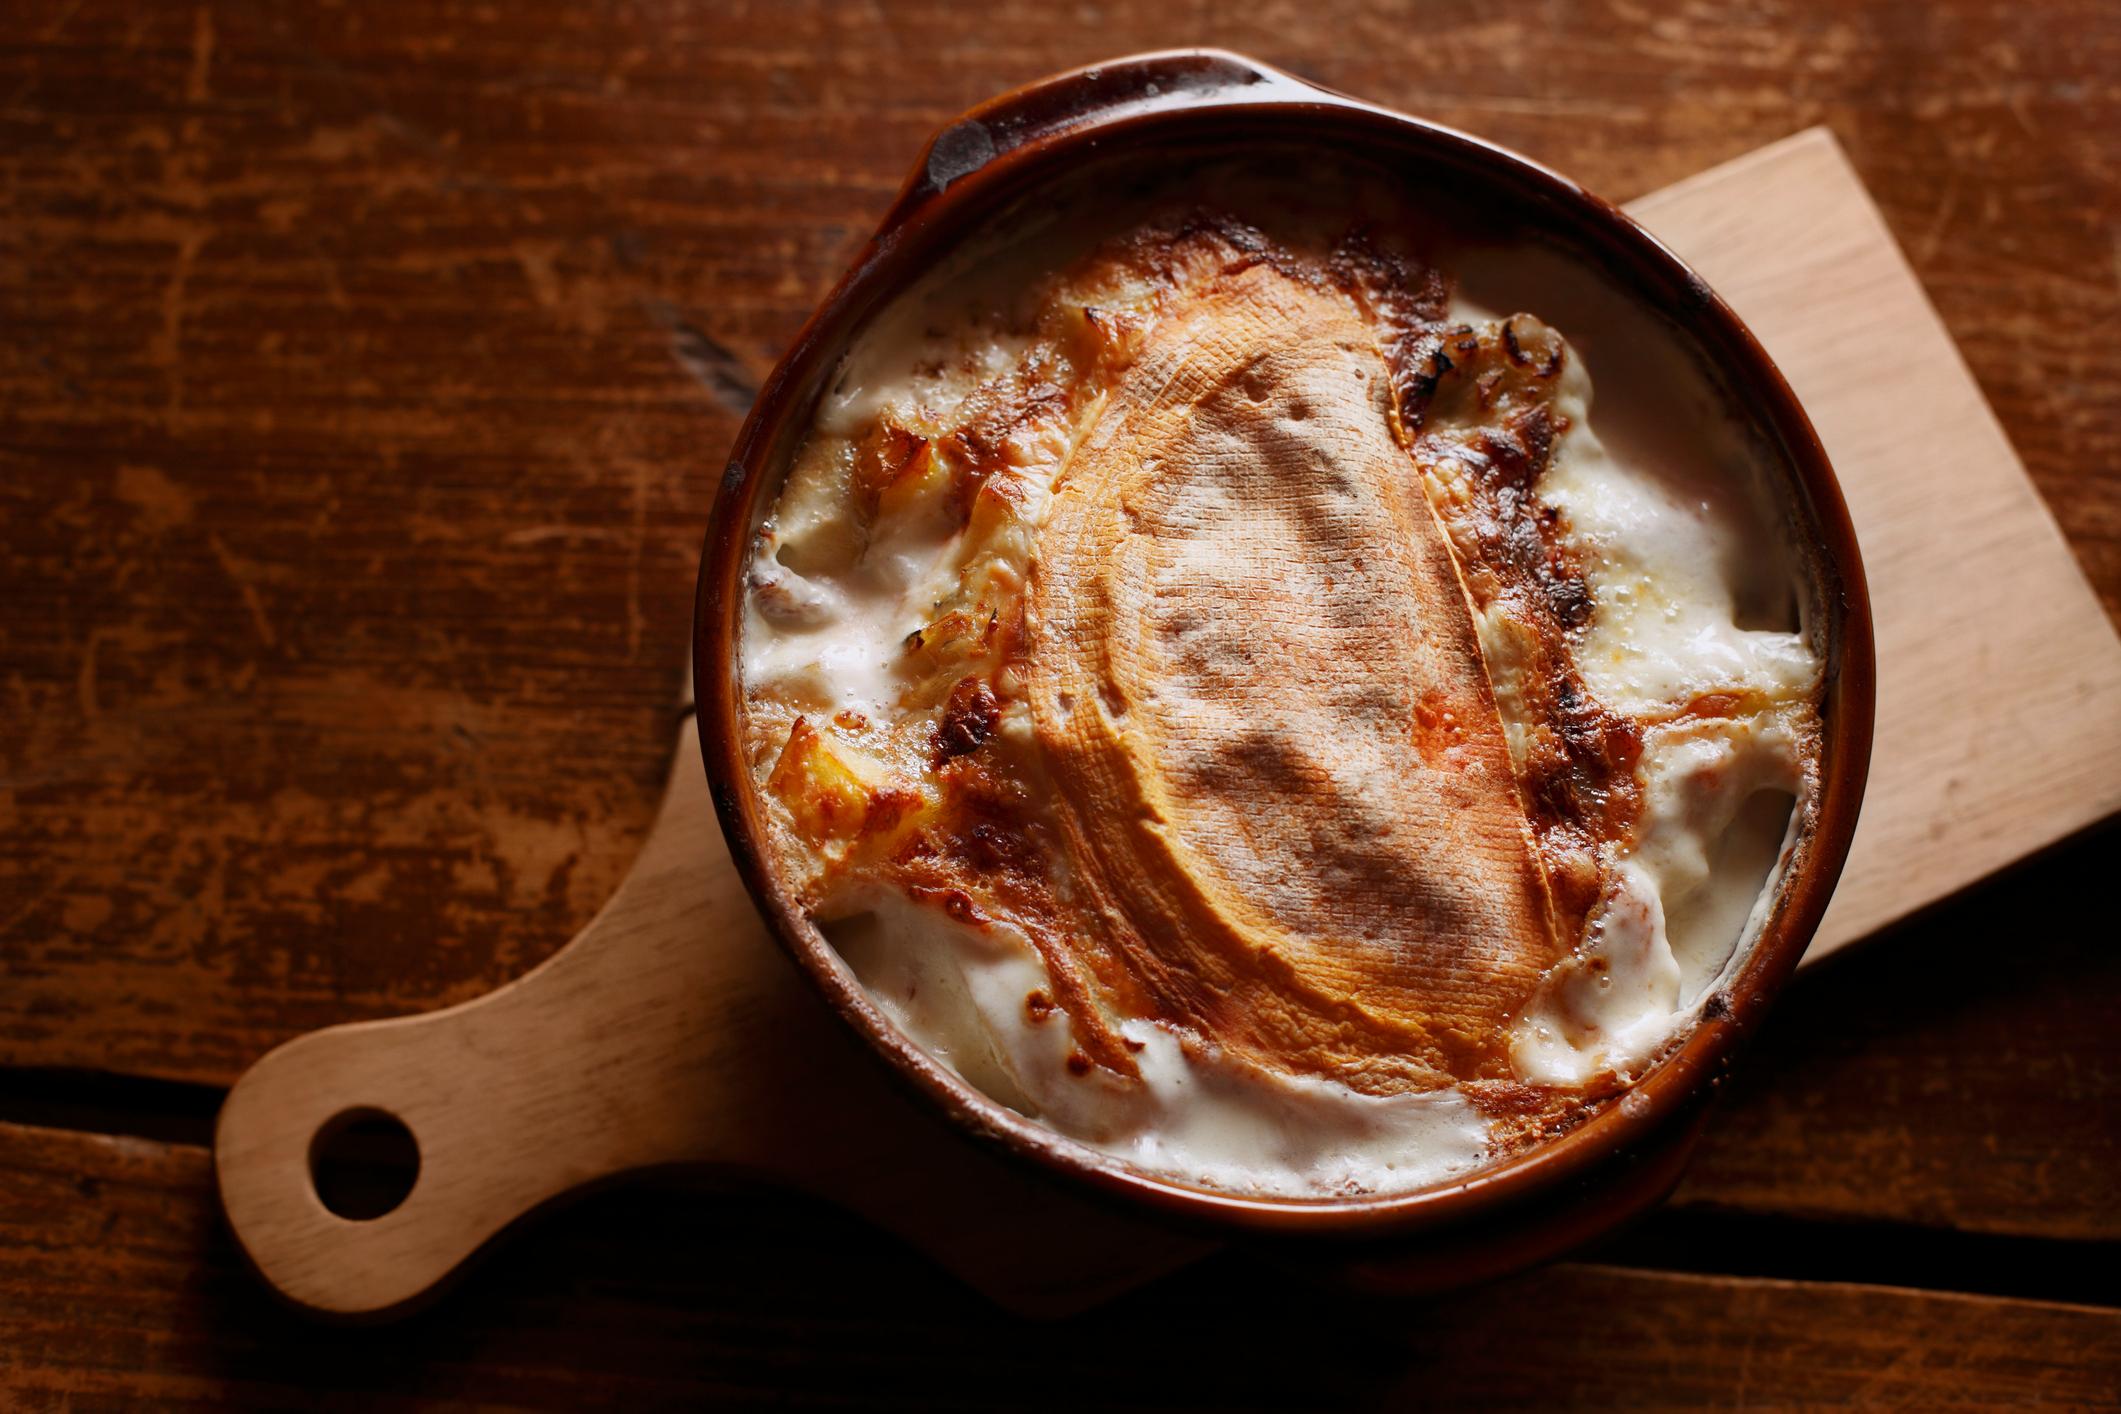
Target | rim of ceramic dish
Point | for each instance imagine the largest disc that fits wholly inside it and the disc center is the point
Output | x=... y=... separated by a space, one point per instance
x=1194 y=100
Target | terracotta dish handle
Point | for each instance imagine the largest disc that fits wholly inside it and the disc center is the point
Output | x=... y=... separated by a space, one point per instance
x=1101 y=93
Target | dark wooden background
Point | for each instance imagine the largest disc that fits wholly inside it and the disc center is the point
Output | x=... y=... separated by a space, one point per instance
x=364 y=370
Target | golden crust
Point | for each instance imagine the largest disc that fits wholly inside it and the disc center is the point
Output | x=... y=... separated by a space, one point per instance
x=1258 y=687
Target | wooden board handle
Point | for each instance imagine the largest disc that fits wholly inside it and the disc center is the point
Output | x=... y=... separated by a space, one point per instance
x=561 y=1078
x=671 y=1031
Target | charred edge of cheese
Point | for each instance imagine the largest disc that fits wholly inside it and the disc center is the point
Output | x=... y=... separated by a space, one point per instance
x=872 y=597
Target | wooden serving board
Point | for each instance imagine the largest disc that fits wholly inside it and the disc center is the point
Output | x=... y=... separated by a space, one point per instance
x=1999 y=675
x=673 y=1032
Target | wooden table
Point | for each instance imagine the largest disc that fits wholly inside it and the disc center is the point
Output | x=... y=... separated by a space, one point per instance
x=363 y=375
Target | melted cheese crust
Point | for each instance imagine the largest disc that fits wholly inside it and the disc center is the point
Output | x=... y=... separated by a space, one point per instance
x=1660 y=744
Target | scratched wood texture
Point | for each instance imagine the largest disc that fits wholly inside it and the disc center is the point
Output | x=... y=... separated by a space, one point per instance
x=363 y=373
x=119 y=1287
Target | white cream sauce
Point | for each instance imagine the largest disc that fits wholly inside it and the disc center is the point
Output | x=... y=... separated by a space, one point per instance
x=1198 y=1117
x=823 y=642
x=1661 y=502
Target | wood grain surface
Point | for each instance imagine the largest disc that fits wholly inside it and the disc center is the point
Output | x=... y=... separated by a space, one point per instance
x=363 y=382
x=117 y=1285
x=363 y=375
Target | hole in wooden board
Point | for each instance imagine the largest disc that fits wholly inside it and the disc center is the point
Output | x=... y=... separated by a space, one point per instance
x=363 y=1164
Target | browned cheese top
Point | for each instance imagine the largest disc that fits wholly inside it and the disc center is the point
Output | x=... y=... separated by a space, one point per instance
x=1257 y=686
